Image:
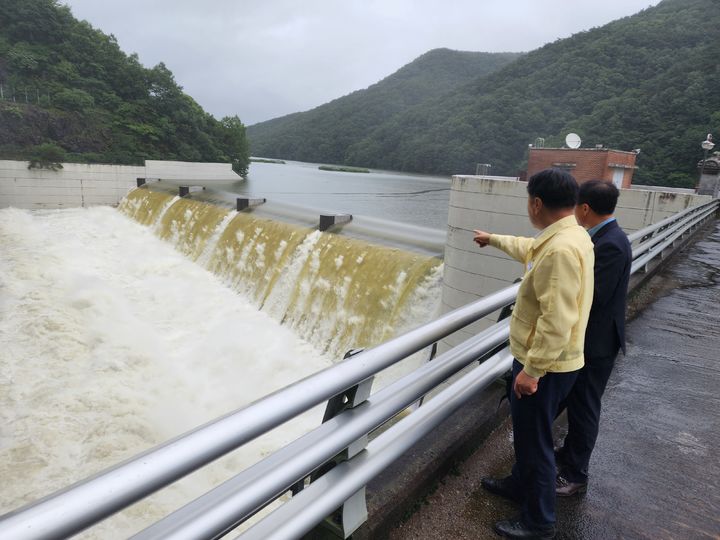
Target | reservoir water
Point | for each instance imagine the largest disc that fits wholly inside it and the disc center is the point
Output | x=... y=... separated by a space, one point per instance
x=122 y=328
x=415 y=199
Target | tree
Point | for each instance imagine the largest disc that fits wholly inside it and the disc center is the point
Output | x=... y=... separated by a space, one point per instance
x=87 y=96
x=74 y=100
x=235 y=144
x=648 y=81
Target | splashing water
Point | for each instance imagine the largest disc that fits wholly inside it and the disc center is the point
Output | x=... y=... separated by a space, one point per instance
x=334 y=291
x=112 y=342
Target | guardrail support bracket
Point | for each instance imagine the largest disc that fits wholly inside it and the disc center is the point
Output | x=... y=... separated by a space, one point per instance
x=353 y=513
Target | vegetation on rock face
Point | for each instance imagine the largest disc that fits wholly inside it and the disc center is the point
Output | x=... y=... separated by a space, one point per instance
x=263 y=160
x=649 y=81
x=67 y=84
x=46 y=156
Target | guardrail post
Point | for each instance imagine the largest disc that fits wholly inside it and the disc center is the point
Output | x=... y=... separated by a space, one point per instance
x=353 y=513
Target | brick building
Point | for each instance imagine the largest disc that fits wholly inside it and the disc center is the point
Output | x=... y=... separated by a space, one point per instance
x=586 y=164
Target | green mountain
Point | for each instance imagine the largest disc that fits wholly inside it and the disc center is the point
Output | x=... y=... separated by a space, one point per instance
x=648 y=81
x=325 y=133
x=69 y=92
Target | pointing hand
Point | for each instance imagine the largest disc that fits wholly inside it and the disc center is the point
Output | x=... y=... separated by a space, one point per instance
x=481 y=238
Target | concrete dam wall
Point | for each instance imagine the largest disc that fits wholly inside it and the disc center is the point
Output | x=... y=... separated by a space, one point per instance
x=81 y=185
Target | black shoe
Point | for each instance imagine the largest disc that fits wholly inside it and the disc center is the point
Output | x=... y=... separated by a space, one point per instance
x=505 y=487
x=515 y=528
x=566 y=488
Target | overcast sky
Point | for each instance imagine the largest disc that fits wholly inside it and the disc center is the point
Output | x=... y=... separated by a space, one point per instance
x=261 y=59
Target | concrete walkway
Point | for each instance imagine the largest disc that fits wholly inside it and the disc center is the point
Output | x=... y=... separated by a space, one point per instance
x=655 y=472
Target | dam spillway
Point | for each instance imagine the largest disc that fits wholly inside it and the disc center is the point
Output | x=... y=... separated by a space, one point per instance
x=335 y=291
x=113 y=340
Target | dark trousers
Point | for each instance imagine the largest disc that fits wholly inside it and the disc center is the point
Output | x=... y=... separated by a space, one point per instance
x=583 y=412
x=534 y=469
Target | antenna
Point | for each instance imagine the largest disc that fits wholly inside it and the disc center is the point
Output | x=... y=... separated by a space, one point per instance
x=573 y=140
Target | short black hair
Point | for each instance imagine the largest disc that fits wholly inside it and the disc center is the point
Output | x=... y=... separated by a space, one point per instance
x=556 y=188
x=600 y=196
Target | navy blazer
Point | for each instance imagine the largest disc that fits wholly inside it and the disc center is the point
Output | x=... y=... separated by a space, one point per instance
x=605 y=332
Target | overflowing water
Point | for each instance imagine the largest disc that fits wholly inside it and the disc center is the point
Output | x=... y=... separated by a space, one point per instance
x=112 y=340
x=336 y=292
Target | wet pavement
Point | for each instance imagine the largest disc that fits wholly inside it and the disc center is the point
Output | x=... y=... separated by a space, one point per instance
x=655 y=472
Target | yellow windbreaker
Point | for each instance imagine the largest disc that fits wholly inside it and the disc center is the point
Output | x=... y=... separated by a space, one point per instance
x=547 y=329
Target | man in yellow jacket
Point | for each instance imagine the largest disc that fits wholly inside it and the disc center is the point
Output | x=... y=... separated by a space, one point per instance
x=547 y=335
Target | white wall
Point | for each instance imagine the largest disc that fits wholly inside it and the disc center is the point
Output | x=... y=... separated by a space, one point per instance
x=709 y=183
x=501 y=207
x=73 y=185
x=79 y=184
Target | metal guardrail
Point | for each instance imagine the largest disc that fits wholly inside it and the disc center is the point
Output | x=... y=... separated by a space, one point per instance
x=653 y=240
x=300 y=515
x=660 y=226
x=218 y=512
x=67 y=512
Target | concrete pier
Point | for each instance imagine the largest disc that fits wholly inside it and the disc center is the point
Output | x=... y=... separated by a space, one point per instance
x=655 y=472
x=500 y=206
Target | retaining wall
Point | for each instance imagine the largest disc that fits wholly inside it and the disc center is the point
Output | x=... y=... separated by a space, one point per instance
x=78 y=184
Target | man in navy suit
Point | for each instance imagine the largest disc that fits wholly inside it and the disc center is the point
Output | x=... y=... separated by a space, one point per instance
x=604 y=336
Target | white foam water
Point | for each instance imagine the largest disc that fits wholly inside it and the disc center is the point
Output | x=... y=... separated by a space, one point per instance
x=112 y=342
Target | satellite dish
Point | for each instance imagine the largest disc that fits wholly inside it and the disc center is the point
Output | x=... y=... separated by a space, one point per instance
x=573 y=140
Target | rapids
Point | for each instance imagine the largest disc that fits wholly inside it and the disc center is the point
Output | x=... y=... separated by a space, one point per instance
x=117 y=334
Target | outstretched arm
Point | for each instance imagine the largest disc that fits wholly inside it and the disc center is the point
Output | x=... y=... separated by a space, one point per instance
x=515 y=246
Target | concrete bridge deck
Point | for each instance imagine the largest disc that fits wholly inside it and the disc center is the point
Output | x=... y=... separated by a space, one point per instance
x=655 y=472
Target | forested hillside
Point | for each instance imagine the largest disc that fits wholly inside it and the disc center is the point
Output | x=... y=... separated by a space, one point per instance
x=649 y=81
x=325 y=133
x=70 y=93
